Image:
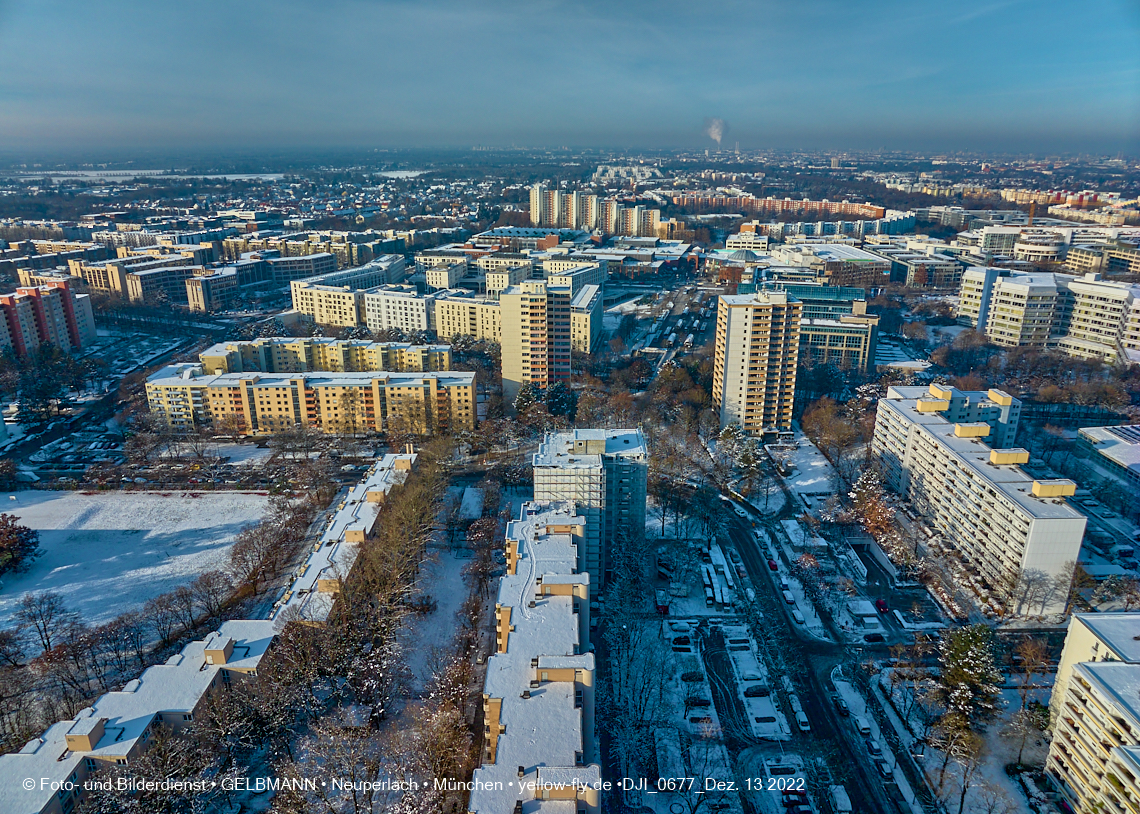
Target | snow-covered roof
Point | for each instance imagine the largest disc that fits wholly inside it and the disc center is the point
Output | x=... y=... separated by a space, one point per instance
x=542 y=739
x=336 y=551
x=583 y=447
x=1117 y=630
x=174 y=688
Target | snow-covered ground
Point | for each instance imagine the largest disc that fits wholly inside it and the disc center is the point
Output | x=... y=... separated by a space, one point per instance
x=108 y=553
x=813 y=474
x=472 y=506
x=426 y=638
x=245 y=454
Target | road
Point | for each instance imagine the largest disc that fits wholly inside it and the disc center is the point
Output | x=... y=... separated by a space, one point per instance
x=808 y=662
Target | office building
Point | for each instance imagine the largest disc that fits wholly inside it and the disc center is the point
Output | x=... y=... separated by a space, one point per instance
x=836 y=263
x=1114 y=452
x=1094 y=754
x=538 y=750
x=604 y=472
x=213 y=292
x=535 y=341
x=49 y=314
x=1081 y=316
x=747 y=240
x=754 y=368
x=310 y=355
x=444 y=276
x=186 y=397
x=835 y=328
x=1001 y=522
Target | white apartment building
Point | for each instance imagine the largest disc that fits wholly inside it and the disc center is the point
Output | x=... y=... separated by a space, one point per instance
x=504 y=277
x=538 y=694
x=586 y=318
x=1094 y=754
x=468 y=316
x=1000 y=521
x=605 y=474
x=399 y=308
x=1082 y=316
x=757 y=352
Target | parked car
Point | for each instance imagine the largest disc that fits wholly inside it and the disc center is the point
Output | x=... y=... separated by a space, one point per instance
x=885 y=769
x=773 y=565
x=841 y=706
x=881 y=605
x=757 y=691
x=873 y=747
x=874 y=638
x=797 y=617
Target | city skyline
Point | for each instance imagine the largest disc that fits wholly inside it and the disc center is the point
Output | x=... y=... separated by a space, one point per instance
x=820 y=75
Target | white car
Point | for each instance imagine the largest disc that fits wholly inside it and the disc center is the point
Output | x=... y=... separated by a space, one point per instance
x=740 y=512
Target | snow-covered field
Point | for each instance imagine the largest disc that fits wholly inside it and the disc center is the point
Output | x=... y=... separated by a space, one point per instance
x=108 y=553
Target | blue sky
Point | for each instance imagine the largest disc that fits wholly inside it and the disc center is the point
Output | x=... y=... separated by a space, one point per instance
x=1038 y=76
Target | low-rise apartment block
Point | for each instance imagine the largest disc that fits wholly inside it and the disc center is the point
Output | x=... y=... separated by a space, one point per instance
x=306 y=355
x=538 y=694
x=400 y=308
x=468 y=316
x=337 y=298
x=605 y=473
x=311 y=598
x=186 y=397
x=931 y=445
x=117 y=728
x=1094 y=754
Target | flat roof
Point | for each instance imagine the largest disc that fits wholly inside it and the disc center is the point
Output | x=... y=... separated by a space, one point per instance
x=543 y=730
x=1117 y=630
x=1120 y=444
x=334 y=556
x=557 y=448
x=1118 y=681
x=974 y=454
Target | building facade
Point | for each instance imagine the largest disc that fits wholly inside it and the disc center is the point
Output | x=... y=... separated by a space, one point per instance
x=49 y=314
x=308 y=355
x=535 y=340
x=754 y=368
x=185 y=397
x=605 y=473
x=931 y=445
x=1094 y=754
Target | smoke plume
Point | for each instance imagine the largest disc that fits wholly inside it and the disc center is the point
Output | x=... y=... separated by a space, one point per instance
x=716 y=129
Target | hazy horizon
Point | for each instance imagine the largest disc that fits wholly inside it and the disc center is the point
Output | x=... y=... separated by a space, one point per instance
x=297 y=76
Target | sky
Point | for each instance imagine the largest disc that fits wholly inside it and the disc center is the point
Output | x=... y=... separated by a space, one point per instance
x=1005 y=75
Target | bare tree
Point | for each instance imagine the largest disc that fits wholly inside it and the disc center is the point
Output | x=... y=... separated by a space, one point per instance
x=161 y=613
x=211 y=590
x=46 y=615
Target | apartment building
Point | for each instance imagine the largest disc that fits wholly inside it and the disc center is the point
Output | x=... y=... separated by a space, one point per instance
x=400 y=308
x=468 y=316
x=604 y=472
x=1094 y=754
x=754 y=367
x=538 y=694
x=118 y=727
x=338 y=298
x=1081 y=316
x=536 y=330
x=586 y=314
x=292 y=355
x=931 y=444
x=49 y=314
x=920 y=266
x=311 y=597
x=557 y=273
x=185 y=396
x=748 y=239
